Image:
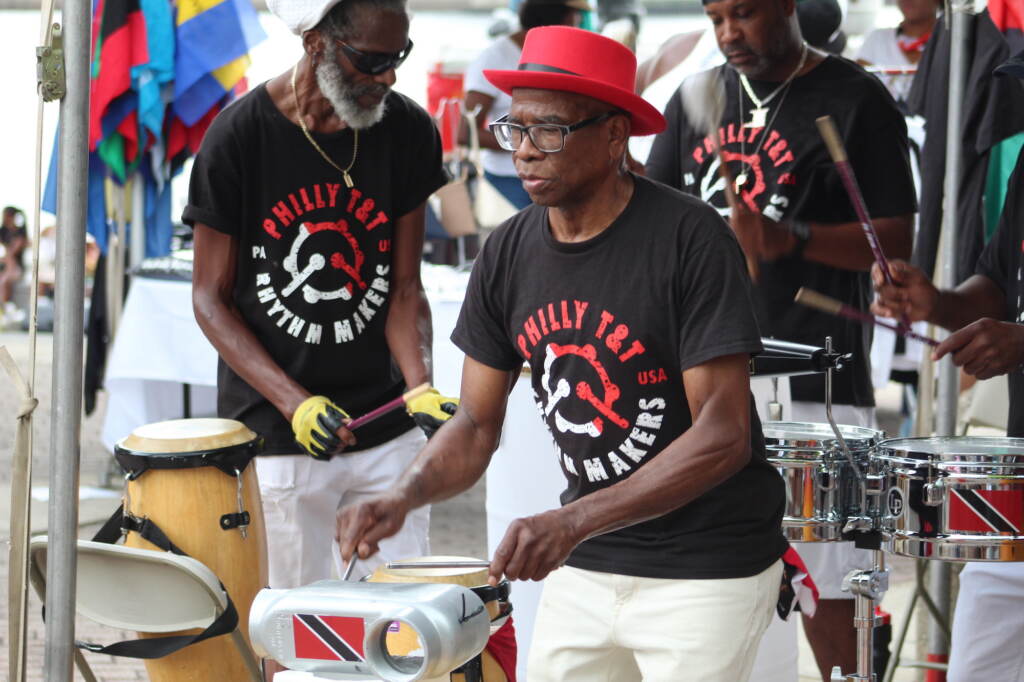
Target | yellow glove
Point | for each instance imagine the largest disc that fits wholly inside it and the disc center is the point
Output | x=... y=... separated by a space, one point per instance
x=431 y=409
x=315 y=423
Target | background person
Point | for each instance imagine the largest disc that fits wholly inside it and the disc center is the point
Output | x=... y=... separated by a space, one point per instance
x=14 y=238
x=797 y=225
x=504 y=53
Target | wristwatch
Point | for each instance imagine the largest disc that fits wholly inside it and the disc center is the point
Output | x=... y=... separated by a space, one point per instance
x=802 y=231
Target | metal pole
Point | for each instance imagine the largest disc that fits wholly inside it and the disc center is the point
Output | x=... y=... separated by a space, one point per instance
x=949 y=377
x=65 y=431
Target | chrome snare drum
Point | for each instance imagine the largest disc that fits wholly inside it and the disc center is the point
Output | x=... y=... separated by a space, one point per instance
x=822 y=490
x=957 y=498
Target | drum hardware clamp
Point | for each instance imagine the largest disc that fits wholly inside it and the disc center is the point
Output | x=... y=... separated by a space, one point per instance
x=241 y=519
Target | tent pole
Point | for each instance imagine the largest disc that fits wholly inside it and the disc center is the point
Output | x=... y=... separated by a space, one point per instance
x=65 y=432
x=949 y=375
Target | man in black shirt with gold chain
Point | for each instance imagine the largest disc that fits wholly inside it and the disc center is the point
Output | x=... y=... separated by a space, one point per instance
x=795 y=222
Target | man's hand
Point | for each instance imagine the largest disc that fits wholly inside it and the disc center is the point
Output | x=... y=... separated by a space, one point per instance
x=360 y=527
x=911 y=295
x=985 y=348
x=431 y=409
x=534 y=546
x=319 y=427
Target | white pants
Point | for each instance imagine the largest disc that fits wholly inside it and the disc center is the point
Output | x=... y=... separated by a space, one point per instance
x=988 y=628
x=829 y=562
x=603 y=627
x=301 y=497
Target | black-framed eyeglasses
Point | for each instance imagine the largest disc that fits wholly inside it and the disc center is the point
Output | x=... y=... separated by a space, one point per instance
x=374 y=63
x=546 y=137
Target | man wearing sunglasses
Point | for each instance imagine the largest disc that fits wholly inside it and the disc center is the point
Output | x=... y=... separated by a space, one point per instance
x=631 y=304
x=307 y=200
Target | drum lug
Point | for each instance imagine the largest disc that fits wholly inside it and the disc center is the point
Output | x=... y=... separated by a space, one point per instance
x=933 y=493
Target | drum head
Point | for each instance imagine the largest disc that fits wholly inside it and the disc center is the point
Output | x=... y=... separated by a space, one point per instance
x=467 y=577
x=187 y=435
x=810 y=436
x=188 y=443
x=963 y=453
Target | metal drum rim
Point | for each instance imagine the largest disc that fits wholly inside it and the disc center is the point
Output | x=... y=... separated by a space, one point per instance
x=858 y=438
x=889 y=445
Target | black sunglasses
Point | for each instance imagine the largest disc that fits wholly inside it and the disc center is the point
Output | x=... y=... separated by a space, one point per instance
x=375 y=63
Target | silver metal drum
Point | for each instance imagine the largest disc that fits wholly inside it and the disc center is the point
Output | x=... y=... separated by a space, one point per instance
x=957 y=498
x=822 y=490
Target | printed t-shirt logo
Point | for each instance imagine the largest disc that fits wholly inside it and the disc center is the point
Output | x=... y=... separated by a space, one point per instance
x=768 y=169
x=596 y=386
x=323 y=263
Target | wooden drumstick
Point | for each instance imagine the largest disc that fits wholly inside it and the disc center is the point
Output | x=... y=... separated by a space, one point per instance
x=389 y=406
x=814 y=299
x=834 y=144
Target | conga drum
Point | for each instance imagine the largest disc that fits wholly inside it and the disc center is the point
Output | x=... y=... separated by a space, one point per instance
x=401 y=640
x=191 y=478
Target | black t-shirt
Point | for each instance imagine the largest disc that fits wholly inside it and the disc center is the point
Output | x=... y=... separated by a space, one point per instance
x=1001 y=262
x=314 y=256
x=792 y=178
x=608 y=326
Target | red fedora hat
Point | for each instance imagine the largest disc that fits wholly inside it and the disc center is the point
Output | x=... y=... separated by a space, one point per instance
x=573 y=60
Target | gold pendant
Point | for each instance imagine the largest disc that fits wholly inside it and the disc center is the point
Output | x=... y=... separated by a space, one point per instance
x=348 y=179
x=758 y=118
x=741 y=180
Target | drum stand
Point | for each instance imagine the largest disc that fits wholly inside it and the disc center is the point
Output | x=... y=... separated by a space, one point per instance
x=867 y=586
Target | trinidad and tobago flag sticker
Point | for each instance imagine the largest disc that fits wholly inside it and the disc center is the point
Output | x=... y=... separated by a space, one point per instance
x=328 y=638
x=986 y=511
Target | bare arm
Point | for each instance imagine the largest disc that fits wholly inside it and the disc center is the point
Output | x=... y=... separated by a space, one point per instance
x=913 y=295
x=485 y=102
x=452 y=461
x=213 y=281
x=713 y=449
x=408 y=329
x=845 y=246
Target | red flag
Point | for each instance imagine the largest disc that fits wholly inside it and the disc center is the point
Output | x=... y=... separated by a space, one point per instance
x=328 y=638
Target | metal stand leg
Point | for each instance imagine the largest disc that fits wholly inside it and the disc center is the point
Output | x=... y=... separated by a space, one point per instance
x=867 y=587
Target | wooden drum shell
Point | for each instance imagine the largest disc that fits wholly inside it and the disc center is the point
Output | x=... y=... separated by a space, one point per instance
x=187 y=504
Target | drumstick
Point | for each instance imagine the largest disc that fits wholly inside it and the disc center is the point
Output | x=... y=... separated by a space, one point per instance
x=351 y=565
x=478 y=563
x=389 y=406
x=813 y=299
x=827 y=127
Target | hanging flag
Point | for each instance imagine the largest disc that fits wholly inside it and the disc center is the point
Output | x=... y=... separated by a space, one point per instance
x=120 y=45
x=1008 y=16
x=213 y=41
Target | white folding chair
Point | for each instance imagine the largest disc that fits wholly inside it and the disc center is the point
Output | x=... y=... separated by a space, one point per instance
x=989 y=407
x=142 y=590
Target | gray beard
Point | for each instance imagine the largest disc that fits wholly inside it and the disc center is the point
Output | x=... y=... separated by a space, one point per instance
x=344 y=96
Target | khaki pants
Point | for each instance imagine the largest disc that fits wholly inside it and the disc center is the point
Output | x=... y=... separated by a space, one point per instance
x=602 y=627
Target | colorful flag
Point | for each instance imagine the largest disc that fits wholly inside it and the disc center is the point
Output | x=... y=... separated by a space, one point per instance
x=328 y=638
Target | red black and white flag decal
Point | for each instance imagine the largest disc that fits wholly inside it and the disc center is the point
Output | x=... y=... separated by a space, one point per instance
x=986 y=511
x=328 y=638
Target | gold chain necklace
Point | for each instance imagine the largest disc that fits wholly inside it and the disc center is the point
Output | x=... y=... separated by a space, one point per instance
x=305 y=131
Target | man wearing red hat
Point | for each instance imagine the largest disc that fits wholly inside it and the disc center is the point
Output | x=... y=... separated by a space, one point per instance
x=631 y=305
x=796 y=223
